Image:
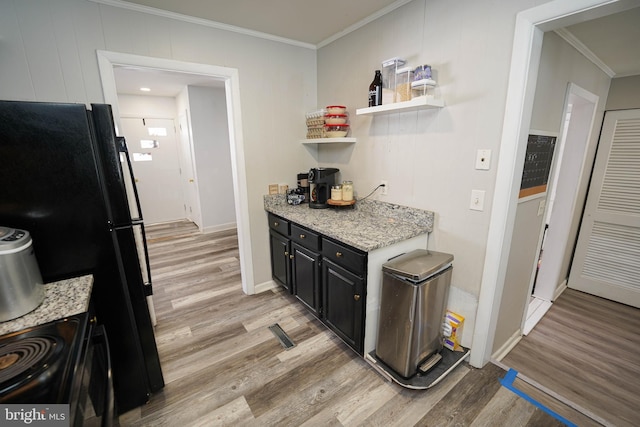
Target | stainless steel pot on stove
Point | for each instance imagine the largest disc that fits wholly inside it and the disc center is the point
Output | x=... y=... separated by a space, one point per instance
x=21 y=287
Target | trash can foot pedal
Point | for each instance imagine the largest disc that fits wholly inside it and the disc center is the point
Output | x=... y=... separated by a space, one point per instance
x=430 y=363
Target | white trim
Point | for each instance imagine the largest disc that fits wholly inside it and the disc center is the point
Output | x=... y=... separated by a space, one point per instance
x=525 y=59
x=533 y=197
x=393 y=6
x=265 y=286
x=199 y=21
x=106 y=61
x=536 y=310
x=584 y=50
x=219 y=227
x=508 y=346
x=560 y=289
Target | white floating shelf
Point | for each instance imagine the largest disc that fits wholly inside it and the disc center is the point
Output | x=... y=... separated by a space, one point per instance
x=414 y=104
x=328 y=141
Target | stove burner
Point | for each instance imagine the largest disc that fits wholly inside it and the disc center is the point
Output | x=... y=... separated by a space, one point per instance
x=26 y=357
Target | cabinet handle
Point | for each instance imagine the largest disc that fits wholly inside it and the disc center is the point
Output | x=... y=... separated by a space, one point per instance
x=276 y=223
x=356 y=297
x=286 y=253
x=302 y=236
x=291 y=256
x=338 y=254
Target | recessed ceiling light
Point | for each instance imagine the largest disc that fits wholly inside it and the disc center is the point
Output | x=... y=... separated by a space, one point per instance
x=145 y=89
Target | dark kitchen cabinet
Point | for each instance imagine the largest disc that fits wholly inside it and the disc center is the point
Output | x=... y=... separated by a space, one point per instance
x=280 y=259
x=328 y=277
x=344 y=292
x=305 y=272
x=280 y=247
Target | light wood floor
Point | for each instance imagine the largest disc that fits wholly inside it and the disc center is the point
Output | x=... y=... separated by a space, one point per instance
x=586 y=349
x=223 y=366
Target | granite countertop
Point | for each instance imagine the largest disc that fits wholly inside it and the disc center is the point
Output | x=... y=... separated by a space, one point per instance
x=369 y=225
x=61 y=299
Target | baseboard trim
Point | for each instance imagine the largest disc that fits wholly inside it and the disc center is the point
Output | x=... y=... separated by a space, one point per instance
x=507 y=346
x=220 y=227
x=265 y=286
x=560 y=289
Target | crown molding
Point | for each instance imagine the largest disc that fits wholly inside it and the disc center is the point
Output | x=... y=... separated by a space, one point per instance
x=584 y=50
x=199 y=21
x=393 y=6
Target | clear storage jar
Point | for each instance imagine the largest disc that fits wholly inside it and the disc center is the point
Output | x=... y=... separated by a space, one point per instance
x=404 y=78
x=347 y=191
x=389 y=68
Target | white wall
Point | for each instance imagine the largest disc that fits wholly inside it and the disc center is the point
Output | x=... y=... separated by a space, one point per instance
x=208 y=115
x=560 y=64
x=624 y=93
x=156 y=107
x=428 y=157
x=48 y=53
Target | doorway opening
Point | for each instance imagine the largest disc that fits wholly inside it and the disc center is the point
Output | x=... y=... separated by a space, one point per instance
x=527 y=46
x=230 y=78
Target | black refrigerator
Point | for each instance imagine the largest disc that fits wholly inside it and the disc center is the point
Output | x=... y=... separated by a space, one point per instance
x=62 y=179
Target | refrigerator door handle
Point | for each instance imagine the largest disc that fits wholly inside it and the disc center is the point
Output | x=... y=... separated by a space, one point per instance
x=122 y=148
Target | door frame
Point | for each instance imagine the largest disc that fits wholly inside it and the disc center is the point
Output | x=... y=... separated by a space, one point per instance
x=559 y=239
x=107 y=60
x=525 y=59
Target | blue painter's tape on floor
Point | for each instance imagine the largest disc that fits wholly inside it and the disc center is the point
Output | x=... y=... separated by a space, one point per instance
x=507 y=382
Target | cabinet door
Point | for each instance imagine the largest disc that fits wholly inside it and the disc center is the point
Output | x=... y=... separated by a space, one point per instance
x=305 y=271
x=280 y=260
x=343 y=303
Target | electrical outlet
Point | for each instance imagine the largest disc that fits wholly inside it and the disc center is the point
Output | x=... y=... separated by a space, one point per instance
x=385 y=189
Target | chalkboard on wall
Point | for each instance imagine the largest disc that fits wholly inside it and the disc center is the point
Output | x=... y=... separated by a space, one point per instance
x=537 y=164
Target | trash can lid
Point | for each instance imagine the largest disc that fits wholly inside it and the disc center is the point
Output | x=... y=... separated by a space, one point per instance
x=418 y=264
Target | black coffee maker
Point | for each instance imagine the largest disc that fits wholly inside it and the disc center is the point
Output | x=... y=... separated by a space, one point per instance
x=321 y=180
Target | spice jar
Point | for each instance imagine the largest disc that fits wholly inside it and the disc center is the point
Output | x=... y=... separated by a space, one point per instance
x=336 y=192
x=347 y=191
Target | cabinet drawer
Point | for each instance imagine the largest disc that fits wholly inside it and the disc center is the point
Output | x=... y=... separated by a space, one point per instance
x=306 y=238
x=345 y=256
x=278 y=224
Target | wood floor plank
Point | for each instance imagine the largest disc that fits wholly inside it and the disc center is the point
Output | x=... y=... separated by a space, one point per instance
x=586 y=349
x=223 y=366
x=463 y=404
x=408 y=407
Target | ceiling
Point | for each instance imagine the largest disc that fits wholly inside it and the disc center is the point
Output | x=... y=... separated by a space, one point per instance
x=611 y=41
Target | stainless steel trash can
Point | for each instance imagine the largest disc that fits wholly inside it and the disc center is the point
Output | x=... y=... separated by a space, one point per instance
x=415 y=287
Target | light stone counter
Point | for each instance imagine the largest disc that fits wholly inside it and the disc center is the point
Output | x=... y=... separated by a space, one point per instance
x=61 y=299
x=369 y=225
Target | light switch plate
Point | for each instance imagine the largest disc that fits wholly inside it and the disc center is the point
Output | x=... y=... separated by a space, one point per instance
x=541 y=207
x=483 y=159
x=477 y=200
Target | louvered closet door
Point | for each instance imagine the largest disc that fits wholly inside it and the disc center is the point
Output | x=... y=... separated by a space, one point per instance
x=607 y=258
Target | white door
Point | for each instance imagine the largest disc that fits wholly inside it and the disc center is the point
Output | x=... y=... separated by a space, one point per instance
x=607 y=257
x=188 y=178
x=154 y=155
